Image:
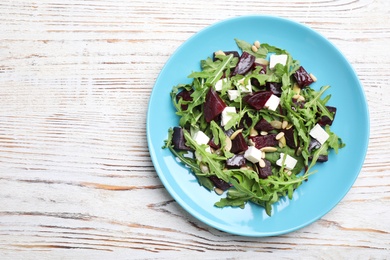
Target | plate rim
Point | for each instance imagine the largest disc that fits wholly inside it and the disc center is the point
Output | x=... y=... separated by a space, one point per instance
x=185 y=205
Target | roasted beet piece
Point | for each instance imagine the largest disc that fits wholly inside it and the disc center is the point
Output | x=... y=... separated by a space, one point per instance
x=263 y=125
x=213 y=145
x=257 y=99
x=178 y=140
x=245 y=122
x=289 y=135
x=239 y=144
x=244 y=64
x=321 y=158
x=274 y=87
x=213 y=105
x=186 y=96
x=261 y=141
x=237 y=161
x=235 y=53
x=302 y=77
x=314 y=144
x=219 y=183
x=324 y=120
x=265 y=171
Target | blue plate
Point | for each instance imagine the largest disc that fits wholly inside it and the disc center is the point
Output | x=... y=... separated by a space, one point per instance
x=323 y=190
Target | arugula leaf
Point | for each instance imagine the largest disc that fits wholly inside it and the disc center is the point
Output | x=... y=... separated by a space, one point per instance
x=247 y=47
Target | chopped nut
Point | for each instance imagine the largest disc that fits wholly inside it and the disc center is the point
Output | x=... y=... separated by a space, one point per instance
x=218 y=191
x=276 y=124
x=262 y=163
x=253 y=132
x=279 y=136
x=284 y=124
x=254 y=48
x=228 y=144
x=219 y=53
x=269 y=149
x=314 y=78
x=263 y=133
x=235 y=134
x=257 y=44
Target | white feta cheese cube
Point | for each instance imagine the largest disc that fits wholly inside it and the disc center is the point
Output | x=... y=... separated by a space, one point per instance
x=272 y=103
x=289 y=162
x=227 y=115
x=219 y=84
x=253 y=154
x=319 y=134
x=233 y=94
x=275 y=59
x=201 y=138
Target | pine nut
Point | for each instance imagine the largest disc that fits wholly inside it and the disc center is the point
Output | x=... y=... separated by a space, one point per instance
x=262 y=155
x=254 y=48
x=263 y=133
x=235 y=134
x=253 y=132
x=276 y=124
x=228 y=144
x=218 y=191
x=257 y=44
x=296 y=96
x=269 y=149
x=279 y=136
x=283 y=141
x=284 y=124
x=219 y=53
x=314 y=78
x=262 y=163
x=301 y=98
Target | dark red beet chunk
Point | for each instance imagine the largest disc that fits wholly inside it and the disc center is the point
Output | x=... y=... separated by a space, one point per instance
x=245 y=122
x=237 y=161
x=213 y=145
x=264 y=140
x=274 y=87
x=257 y=99
x=302 y=77
x=219 y=183
x=178 y=140
x=244 y=64
x=263 y=125
x=186 y=96
x=213 y=105
x=289 y=135
x=321 y=158
x=235 y=54
x=324 y=120
x=314 y=144
x=265 y=171
x=239 y=144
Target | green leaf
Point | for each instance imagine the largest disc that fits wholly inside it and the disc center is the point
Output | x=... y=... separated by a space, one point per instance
x=247 y=47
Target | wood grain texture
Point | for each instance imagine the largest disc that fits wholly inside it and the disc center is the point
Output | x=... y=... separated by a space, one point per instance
x=76 y=180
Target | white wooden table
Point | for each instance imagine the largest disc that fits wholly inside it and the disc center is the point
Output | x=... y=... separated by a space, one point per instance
x=76 y=179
